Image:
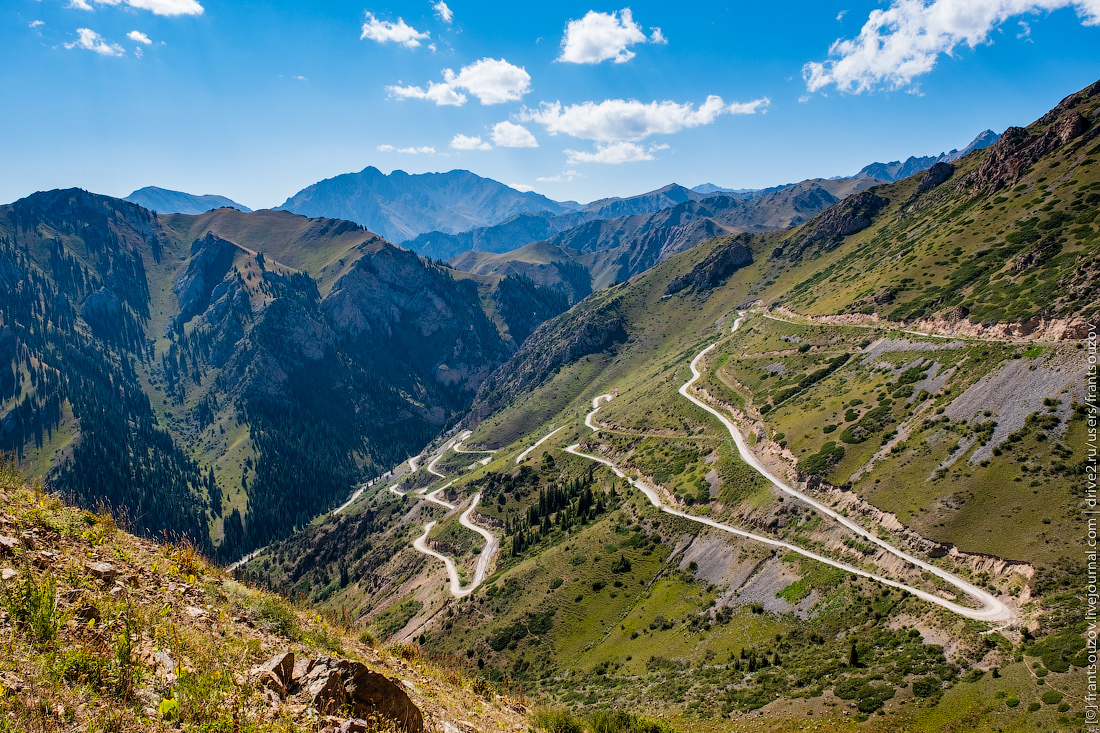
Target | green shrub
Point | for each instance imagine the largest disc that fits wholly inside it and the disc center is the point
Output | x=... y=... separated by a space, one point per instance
x=1052 y=697
x=927 y=686
x=617 y=721
x=546 y=720
x=276 y=617
x=1012 y=702
x=32 y=606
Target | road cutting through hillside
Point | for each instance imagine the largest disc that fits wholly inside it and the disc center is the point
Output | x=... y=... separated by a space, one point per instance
x=991 y=609
x=540 y=441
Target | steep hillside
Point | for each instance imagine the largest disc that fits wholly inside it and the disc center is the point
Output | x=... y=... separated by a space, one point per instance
x=829 y=471
x=165 y=201
x=400 y=206
x=176 y=370
x=105 y=631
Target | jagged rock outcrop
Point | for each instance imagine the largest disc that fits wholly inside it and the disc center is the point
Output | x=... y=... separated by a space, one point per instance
x=850 y=216
x=715 y=269
x=211 y=259
x=1017 y=150
x=933 y=177
x=329 y=685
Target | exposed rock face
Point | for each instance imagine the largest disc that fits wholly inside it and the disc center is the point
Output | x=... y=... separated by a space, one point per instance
x=102 y=311
x=329 y=685
x=555 y=343
x=852 y=215
x=715 y=269
x=397 y=311
x=211 y=259
x=933 y=177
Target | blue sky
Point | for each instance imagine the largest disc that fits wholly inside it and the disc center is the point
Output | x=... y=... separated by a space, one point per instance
x=256 y=100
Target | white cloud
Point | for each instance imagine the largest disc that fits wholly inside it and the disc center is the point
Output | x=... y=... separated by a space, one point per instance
x=492 y=81
x=619 y=119
x=424 y=150
x=156 y=7
x=166 y=7
x=564 y=177
x=92 y=41
x=384 y=31
x=840 y=15
x=443 y=12
x=614 y=153
x=464 y=142
x=521 y=187
x=139 y=37
x=441 y=94
x=602 y=36
x=511 y=135
x=904 y=41
x=36 y=23
x=657 y=37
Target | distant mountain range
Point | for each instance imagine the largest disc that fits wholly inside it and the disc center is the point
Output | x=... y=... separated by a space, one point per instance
x=165 y=201
x=612 y=250
x=399 y=206
x=897 y=170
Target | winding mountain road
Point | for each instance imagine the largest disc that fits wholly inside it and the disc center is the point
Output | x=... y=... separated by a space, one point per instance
x=992 y=609
x=540 y=441
x=492 y=544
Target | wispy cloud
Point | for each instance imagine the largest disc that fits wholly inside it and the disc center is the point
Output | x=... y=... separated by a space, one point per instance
x=424 y=150
x=604 y=36
x=614 y=154
x=631 y=120
x=564 y=177
x=492 y=81
x=384 y=31
x=443 y=12
x=905 y=40
x=139 y=37
x=36 y=24
x=89 y=40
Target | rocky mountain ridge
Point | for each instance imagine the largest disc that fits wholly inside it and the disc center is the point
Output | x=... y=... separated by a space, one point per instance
x=399 y=206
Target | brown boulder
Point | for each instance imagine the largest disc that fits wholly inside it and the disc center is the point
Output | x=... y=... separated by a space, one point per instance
x=372 y=694
x=105 y=571
x=323 y=689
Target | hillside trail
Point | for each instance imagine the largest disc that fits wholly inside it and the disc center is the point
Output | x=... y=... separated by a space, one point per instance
x=991 y=610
